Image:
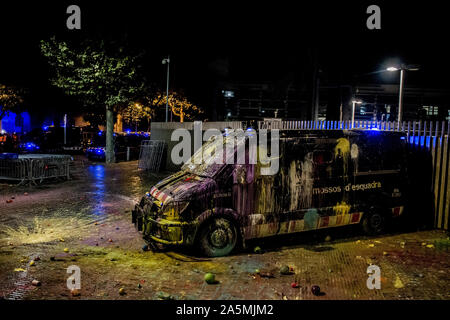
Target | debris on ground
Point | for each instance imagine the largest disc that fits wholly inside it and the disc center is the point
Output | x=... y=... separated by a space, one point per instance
x=19 y=270
x=75 y=292
x=165 y=296
x=266 y=275
x=285 y=270
x=122 y=291
x=210 y=278
x=315 y=290
x=398 y=284
x=36 y=283
x=66 y=250
x=32 y=263
x=328 y=238
x=257 y=250
x=145 y=247
x=294 y=285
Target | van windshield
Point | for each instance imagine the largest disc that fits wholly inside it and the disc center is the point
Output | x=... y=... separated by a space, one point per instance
x=212 y=156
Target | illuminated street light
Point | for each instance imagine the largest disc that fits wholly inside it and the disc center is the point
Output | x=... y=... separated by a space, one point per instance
x=402 y=80
x=164 y=61
x=354 y=103
x=392 y=69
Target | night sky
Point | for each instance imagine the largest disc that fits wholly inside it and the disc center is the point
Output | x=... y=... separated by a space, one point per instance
x=226 y=40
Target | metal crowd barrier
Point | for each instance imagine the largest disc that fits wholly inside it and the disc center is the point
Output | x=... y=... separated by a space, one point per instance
x=151 y=155
x=35 y=168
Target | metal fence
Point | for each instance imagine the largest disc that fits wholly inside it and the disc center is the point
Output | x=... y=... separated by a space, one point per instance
x=429 y=136
x=151 y=155
x=35 y=168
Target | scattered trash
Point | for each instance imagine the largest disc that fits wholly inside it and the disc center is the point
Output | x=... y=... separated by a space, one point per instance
x=110 y=240
x=139 y=286
x=19 y=270
x=266 y=275
x=358 y=241
x=10 y=243
x=210 y=278
x=424 y=243
x=36 y=283
x=32 y=263
x=257 y=250
x=330 y=271
x=371 y=245
x=385 y=253
x=13 y=197
x=315 y=290
x=398 y=284
x=165 y=296
x=66 y=250
x=294 y=285
x=402 y=244
x=37 y=258
x=9 y=201
x=122 y=291
x=430 y=245
x=25 y=193
x=328 y=238
x=257 y=271
x=75 y=292
x=61 y=240
x=285 y=270
x=145 y=247
x=377 y=241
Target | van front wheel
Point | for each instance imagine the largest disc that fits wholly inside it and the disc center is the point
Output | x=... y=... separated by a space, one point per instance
x=217 y=238
x=374 y=222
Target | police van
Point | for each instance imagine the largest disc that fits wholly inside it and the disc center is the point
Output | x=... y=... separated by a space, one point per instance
x=324 y=179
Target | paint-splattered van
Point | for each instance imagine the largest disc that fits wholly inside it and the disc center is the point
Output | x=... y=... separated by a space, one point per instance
x=325 y=179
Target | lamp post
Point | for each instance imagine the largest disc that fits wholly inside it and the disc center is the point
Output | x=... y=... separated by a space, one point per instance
x=402 y=69
x=164 y=61
x=354 y=103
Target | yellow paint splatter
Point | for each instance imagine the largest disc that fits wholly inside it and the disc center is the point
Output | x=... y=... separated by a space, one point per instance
x=343 y=149
x=398 y=284
x=341 y=208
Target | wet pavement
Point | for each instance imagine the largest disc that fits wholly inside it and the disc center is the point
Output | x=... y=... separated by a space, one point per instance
x=87 y=222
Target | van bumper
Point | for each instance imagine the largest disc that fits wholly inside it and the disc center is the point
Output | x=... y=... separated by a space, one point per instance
x=167 y=232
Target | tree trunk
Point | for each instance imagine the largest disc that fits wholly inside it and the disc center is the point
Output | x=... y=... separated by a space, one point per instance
x=109 y=153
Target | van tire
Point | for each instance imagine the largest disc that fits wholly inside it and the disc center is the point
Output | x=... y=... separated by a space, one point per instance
x=374 y=222
x=217 y=237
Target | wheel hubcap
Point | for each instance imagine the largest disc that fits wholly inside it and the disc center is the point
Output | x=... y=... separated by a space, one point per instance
x=219 y=238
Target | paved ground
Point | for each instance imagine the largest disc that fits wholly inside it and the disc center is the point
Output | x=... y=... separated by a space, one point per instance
x=90 y=216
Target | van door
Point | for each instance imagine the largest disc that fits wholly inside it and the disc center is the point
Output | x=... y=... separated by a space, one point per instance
x=259 y=199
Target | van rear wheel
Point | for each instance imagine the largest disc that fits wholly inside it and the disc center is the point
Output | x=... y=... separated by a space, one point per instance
x=374 y=222
x=218 y=237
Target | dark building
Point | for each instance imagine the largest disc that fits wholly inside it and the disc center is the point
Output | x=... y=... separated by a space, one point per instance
x=258 y=100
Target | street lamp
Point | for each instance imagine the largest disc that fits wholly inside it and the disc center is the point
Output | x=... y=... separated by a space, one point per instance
x=164 y=61
x=402 y=69
x=354 y=103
